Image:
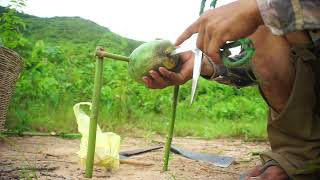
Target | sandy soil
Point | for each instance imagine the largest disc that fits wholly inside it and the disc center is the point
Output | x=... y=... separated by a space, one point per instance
x=56 y=158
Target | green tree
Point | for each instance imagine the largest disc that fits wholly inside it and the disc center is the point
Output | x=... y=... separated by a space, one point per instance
x=11 y=26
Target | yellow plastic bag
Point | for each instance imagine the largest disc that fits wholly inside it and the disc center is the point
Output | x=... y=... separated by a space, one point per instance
x=107 y=143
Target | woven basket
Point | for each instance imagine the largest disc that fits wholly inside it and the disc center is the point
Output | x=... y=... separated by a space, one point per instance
x=10 y=68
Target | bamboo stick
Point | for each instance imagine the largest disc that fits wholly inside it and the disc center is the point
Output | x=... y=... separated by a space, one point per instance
x=94 y=117
x=101 y=53
x=116 y=57
x=170 y=128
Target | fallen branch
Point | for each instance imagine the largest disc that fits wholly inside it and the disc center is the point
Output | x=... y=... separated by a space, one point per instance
x=70 y=162
x=52 y=175
x=62 y=135
x=38 y=160
x=132 y=162
x=6 y=163
x=217 y=170
x=43 y=168
x=52 y=155
x=227 y=172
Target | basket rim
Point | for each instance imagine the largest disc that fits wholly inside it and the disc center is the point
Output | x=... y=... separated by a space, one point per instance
x=11 y=51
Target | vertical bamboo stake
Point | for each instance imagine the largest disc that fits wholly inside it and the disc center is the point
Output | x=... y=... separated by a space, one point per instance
x=94 y=117
x=170 y=128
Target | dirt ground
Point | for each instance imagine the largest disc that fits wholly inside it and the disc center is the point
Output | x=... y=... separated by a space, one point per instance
x=56 y=158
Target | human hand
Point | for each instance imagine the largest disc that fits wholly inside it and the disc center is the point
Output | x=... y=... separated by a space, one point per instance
x=226 y=23
x=165 y=78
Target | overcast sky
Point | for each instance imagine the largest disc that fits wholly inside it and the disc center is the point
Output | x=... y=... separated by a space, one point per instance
x=137 y=19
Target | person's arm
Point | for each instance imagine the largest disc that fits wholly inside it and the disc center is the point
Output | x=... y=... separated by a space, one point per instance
x=284 y=16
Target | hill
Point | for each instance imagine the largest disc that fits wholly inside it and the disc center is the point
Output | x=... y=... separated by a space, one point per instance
x=74 y=31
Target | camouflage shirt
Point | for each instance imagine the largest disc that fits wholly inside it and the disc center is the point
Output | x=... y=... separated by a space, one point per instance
x=284 y=16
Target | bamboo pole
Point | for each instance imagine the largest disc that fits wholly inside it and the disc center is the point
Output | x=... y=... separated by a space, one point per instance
x=94 y=117
x=101 y=53
x=116 y=57
x=170 y=128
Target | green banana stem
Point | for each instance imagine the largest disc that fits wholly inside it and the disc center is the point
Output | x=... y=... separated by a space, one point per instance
x=170 y=128
x=94 y=117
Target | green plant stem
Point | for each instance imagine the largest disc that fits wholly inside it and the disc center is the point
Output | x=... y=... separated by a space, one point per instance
x=94 y=117
x=116 y=57
x=170 y=128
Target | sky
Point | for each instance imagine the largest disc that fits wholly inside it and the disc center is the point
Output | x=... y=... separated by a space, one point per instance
x=136 y=19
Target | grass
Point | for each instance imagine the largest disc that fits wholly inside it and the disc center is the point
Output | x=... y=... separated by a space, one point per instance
x=219 y=111
x=205 y=128
x=188 y=123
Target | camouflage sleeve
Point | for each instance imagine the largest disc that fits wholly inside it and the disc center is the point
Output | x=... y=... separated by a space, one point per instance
x=284 y=16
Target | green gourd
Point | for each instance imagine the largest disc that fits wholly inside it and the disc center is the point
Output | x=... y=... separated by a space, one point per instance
x=148 y=56
x=151 y=56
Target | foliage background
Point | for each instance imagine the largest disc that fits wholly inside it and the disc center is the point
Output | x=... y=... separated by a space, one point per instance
x=59 y=70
